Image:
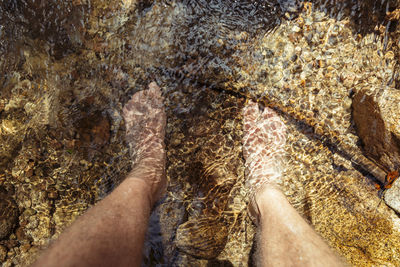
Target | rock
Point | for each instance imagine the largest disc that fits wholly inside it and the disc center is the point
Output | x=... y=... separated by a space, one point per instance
x=25 y=247
x=3 y=253
x=10 y=244
x=94 y=130
x=211 y=179
x=378 y=126
x=290 y=6
x=296 y=29
x=392 y=198
x=20 y=233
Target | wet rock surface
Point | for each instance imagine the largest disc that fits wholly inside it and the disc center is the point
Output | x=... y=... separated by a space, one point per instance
x=376 y=120
x=62 y=133
x=391 y=197
x=376 y=117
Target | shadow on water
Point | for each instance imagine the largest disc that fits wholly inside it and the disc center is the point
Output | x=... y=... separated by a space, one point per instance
x=153 y=247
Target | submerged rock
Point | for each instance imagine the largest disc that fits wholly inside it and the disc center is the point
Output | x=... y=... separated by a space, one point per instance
x=61 y=132
x=376 y=117
x=392 y=196
x=3 y=253
x=377 y=122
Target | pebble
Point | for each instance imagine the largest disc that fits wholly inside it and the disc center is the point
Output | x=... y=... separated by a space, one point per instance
x=27 y=203
x=20 y=234
x=33 y=223
x=306 y=55
x=3 y=253
x=52 y=194
x=296 y=28
x=25 y=247
x=10 y=253
x=176 y=139
x=28 y=212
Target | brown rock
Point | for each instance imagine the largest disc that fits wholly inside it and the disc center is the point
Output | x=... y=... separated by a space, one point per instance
x=378 y=126
x=94 y=130
x=20 y=233
x=25 y=247
x=202 y=237
x=10 y=243
x=3 y=253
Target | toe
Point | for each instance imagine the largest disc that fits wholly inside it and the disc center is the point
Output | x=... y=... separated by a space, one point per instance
x=154 y=95
x=129 y=110
x=153 y=87
x=138 y=97
x=268 y=113
x=250 y=115
x=142 y=102
x=272 y=122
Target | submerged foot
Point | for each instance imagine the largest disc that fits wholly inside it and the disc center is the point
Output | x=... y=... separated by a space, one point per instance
x=145 y=121
x=264 y=139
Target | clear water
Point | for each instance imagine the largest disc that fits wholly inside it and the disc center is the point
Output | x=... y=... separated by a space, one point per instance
x=67 y=68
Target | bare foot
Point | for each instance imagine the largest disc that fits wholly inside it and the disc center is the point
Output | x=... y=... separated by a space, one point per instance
x=264 y=139
x=145 y=121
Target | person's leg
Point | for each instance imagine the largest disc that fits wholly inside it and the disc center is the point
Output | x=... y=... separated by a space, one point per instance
x=284 y=238
x=112 y=232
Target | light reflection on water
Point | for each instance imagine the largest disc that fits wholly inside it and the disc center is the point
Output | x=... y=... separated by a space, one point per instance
x=89 y=57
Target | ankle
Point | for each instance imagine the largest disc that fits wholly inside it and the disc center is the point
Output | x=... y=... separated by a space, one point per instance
x=267 y=192
x=268 y=197
x=139 y=185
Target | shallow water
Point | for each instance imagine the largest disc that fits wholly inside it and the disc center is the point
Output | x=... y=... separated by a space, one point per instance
x=68 y=68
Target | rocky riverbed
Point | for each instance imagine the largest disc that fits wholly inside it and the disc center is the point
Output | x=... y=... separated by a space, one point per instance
x=329 y=68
